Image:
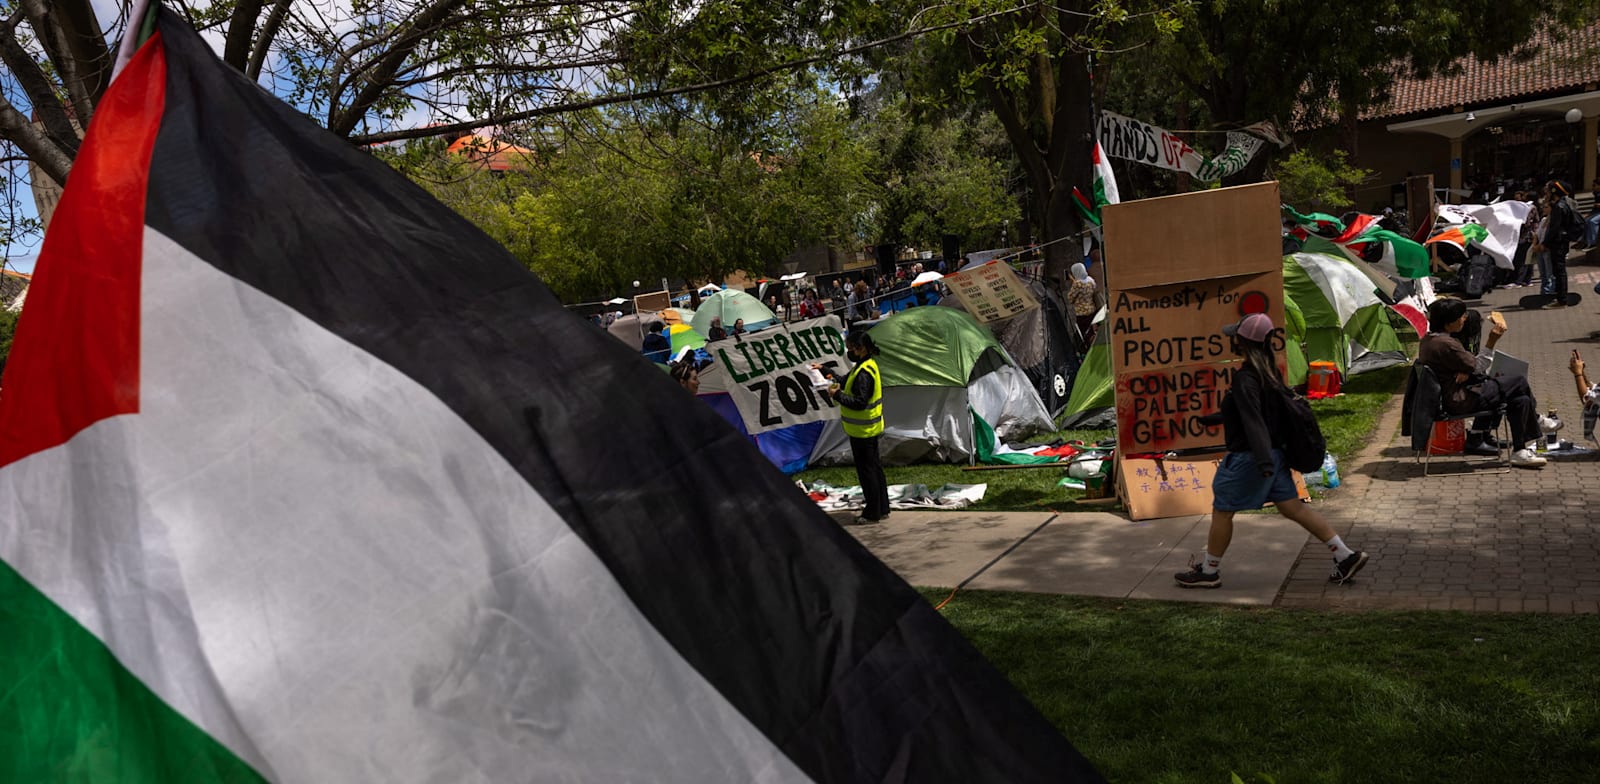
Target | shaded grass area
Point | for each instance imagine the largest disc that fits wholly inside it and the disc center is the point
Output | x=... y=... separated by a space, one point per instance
x=1170 y=692
x=1347 y=422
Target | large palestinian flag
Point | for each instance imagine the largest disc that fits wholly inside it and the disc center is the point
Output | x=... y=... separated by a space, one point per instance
x=302 y=478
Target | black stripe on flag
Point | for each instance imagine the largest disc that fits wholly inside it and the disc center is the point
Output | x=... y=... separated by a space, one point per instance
x=835 y=658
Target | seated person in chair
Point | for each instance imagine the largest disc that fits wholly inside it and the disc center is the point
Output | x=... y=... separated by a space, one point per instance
x=1464 y=388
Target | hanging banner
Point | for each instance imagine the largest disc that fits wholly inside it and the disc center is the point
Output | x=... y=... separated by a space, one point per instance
x=1241 y=148
x=1132 y=140
x=767 y=372
x=991 y=291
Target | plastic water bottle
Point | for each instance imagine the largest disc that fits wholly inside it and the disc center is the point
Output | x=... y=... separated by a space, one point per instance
x=1330 y=470
x=1551 y=424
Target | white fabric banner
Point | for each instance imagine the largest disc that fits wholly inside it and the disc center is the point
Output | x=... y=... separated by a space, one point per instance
x=1132 y=140
x=766 y=372
x=1503 y=220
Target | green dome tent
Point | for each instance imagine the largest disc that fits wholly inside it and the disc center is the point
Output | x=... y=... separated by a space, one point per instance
x=1332 y=313
x=1344 y=321
x=940 y=369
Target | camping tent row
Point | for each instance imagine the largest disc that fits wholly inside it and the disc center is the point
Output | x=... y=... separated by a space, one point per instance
x=1333 y=313
x=687 y=328
x=942 y=371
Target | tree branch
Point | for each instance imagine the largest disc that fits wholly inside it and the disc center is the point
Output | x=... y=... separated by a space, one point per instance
x=72 y=40
x=41 y=94
x=241 y=30
x=383 y=72
x=269 y=33
x=33 y=142
x=440 y=130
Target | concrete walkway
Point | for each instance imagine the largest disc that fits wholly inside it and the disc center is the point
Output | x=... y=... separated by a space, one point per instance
x=1525 y=541
x=1088 y=553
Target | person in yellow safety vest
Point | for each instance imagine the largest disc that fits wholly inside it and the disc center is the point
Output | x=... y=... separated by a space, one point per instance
x=861 y=412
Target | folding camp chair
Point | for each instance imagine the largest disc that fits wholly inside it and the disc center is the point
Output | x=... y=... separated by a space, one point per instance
x=1427 y=408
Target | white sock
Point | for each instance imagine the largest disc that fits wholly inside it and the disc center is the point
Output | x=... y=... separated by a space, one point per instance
x=1340 y=550
x=1211 y=564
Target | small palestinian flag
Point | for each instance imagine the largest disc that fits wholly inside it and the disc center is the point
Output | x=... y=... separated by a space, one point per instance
x=1318 y=223
x=1105 y=189
x=1408 y=258
x=1460 y=235
x=303 y=478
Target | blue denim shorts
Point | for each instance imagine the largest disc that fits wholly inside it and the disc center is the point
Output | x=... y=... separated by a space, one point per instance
x=1239 y=485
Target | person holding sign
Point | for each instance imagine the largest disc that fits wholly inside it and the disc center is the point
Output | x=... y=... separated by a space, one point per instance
x=1254 y=472
x=861 y=412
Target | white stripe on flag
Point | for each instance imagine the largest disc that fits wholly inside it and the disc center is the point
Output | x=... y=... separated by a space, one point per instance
x=319 y=563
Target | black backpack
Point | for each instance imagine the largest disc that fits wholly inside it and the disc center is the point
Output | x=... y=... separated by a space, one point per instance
x=1568 y=224
x=1303 y=447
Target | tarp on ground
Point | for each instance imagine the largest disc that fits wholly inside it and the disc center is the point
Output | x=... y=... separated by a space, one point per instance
x=940 y=366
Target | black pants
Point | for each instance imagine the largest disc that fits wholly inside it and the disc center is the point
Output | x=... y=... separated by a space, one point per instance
x=1558 y=264
x=869 y=472
x=1520 y=265
x=1521 y=409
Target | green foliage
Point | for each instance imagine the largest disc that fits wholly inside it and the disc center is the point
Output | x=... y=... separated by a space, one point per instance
x=941 y=176
x=1318 y=182
x=8 y=328
x=623 y=197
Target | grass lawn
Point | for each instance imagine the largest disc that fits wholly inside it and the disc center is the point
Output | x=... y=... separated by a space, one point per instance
x=1168 y=692
x=1347 y=422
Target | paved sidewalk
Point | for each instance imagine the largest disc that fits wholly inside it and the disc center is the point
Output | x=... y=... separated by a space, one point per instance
x=1087 y=553
x=1527 y=541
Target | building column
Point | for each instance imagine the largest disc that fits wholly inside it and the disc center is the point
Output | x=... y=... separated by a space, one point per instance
x=1591 y=129
x=1456 y=167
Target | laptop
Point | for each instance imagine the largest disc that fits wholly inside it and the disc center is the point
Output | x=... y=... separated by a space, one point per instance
x=1503 y=365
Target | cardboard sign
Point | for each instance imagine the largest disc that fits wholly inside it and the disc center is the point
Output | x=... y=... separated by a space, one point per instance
x=1152 y=489
x=1170 y=295
x=1171 y=363
x=766 y=372
x=652 y=302
x=991 y=291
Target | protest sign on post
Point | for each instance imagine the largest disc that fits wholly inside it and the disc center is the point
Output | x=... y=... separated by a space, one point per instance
x=652 y=302
x=1217 y=257
x=767 y=374
x=991 y=291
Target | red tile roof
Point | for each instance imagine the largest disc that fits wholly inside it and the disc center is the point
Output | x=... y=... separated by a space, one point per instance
x=1569 y=65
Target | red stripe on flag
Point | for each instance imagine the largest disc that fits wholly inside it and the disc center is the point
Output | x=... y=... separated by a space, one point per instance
x=76 y=356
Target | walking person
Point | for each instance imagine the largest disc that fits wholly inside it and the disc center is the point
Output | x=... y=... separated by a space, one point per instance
x=861 y=412
x=1254 y=471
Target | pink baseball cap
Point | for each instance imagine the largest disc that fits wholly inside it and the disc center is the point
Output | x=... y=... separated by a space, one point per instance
x=1254 y=327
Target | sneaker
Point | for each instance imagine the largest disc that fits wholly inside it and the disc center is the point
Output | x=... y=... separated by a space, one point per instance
x=1346 y=569
x=1556 y=305
x=1196 y=577
x=864 y=520
x=1525 y=458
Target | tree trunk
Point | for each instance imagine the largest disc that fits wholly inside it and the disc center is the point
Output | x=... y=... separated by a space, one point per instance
x=1350 y=131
